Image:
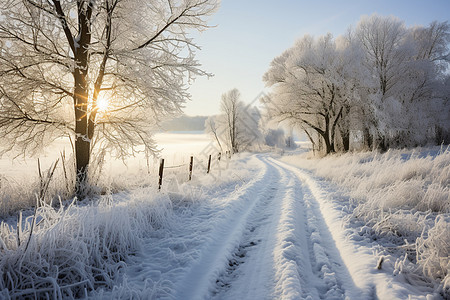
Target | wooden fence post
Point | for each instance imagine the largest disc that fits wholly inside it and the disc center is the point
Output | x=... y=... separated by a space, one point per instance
x=161 y=169
x=190 y=167
x=209 y=164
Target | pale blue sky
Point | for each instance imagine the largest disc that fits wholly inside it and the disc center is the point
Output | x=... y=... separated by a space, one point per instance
x=250 y=33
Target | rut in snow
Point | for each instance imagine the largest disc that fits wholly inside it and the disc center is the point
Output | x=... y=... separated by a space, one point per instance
x=276 y=246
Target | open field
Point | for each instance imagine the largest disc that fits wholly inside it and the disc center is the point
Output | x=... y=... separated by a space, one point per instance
x=261 y=225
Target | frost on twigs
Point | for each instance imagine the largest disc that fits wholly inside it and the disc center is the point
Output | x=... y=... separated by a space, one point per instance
x=101 y=73
x=382 y=85
x=433 y=250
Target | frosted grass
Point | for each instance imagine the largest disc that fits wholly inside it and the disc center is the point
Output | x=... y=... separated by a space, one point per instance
x=404 y=195
x=76 y=249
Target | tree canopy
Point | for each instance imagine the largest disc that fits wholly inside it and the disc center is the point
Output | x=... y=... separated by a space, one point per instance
x=100 y=72
x=382 y=82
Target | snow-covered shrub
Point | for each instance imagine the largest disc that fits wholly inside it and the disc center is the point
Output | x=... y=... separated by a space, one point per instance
x=399 y=225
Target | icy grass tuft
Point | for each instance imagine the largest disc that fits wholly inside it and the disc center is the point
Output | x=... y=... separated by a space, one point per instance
x=76 y=249
x=15 y=195
x=404 y=195
x=433 y=250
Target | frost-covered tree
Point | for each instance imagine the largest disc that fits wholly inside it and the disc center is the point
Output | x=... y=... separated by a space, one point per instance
x=382 y=40
x=100 y=72
x=239 y=123
x=310 y=86
x=383 y=80
x=231 y=107
x=237 y=127
x=406 y=68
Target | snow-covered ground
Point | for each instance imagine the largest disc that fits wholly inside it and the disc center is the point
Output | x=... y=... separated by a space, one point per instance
x=261 y=226
x=175 y=147
x=19 y=175
x=276 y=234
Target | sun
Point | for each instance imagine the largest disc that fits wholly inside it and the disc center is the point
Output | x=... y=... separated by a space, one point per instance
x=102 y=104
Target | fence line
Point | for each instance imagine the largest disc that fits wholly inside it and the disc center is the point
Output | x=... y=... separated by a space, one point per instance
x=190 y=164
x=173 y=167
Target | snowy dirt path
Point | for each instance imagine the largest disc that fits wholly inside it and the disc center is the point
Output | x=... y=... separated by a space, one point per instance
x=274 y=236
x=276 y=247
x=291 y=253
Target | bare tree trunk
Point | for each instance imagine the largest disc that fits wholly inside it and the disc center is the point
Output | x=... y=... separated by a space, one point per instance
x=82 y=141
x=82 y=157
x=81 y=96
x=234 y=141
x=311 y=140
x=368 y=139
x=345 y=140
x=328 y=136
x=329 y=146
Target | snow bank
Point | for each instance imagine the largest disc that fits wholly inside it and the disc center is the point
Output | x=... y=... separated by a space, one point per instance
x=404 y=197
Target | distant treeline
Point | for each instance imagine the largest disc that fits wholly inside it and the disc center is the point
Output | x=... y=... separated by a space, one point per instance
x=185 y=123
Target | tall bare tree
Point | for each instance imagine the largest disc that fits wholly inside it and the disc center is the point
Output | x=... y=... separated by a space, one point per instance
x=230 y=108
x=102 y=72
x=237 y=127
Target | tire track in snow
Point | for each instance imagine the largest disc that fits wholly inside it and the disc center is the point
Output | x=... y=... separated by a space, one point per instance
x=354 y=263
x=329 y=275
x=294 y=258
x=272 y=243
x=253 y=277
x=200 y=280
x=276 y=267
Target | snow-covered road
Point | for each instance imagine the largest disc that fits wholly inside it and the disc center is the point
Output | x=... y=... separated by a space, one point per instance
x=275 y=236
x=285 y=250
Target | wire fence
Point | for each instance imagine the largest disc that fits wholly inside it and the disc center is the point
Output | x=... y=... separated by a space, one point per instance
x=190 y=166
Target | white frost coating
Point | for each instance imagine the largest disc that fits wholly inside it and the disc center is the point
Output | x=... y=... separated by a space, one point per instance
x=222 y=241
x=83 y=137
x=260 y=230
x=118 y=40
x=330 y=86
x=359 y=259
